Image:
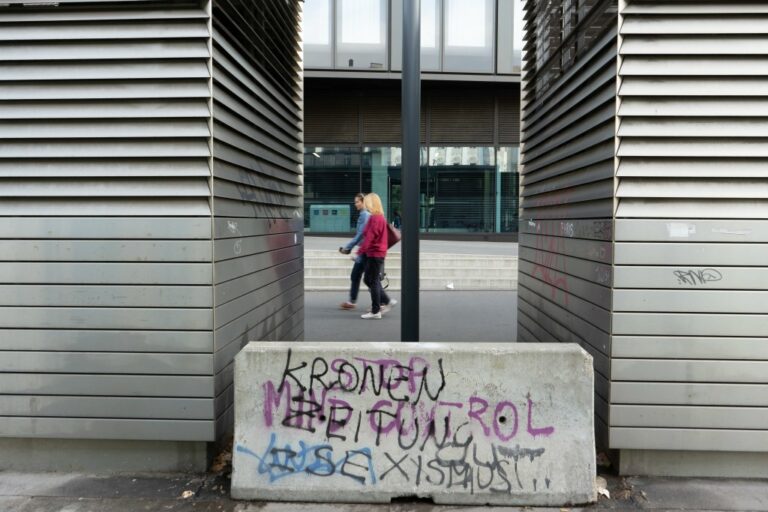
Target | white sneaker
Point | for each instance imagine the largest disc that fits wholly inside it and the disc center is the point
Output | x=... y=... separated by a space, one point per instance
x=371 y=316
x=386 y=308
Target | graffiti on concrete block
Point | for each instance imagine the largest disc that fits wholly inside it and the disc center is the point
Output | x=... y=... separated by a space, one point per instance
x=395 y=421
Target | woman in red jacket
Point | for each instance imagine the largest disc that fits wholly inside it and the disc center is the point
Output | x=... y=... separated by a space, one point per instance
x=374 y=248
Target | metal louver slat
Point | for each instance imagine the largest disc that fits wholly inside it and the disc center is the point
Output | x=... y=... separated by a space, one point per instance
x=81 y=207
x=73 y=14
x=695 y=167
x=694 y=24
x=567 y=155
x=103 y=188
x=695 y=45
x=105 y=149
x=98 y=129
x=104 y=109
x=698 y=127
x=688 y=7
x=698 y=66
x=693 y=188
x=257 y=140
x=178 y=168
x=107 y=90
x=692 y=107
x=103 y=51
x=693 y=147
x=106 y=205
x=695 y=86
x=104 y=30
x=693 y=230
x=104 y=71
x=692 y=208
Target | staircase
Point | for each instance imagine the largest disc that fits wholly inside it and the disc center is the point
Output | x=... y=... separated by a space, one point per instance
x=329 y=271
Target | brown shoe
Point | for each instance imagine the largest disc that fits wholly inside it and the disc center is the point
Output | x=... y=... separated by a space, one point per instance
x=347 y=305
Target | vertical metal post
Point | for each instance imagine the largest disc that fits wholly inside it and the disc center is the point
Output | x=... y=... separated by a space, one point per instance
x=411 y=180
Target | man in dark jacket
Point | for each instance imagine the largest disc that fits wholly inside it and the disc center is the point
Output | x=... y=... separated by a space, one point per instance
x=359 y=266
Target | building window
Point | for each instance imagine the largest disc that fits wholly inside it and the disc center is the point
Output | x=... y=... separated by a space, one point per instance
x=517 y=31
x=469 y=36
x=463 y=189
x=361 y=34
x=508 y=198
x=316 y=34
x=459 y=190
x=430 y=35
x=331 y=180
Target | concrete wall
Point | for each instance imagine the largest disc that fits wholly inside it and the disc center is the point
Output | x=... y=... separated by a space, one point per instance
x=119 y=269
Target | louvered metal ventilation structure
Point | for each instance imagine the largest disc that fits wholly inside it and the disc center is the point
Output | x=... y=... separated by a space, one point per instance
x=651 y=252
x=151 y=188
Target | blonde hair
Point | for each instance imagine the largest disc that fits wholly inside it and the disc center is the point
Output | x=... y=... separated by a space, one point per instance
x=372 y=203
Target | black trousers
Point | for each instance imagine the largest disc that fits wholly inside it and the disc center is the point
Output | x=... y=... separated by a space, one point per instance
x=374 y=268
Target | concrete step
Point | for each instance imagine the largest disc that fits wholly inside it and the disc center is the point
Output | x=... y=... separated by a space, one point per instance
x=434 y=272
x=396 y=255
x=432 y=260
x=342 y=284
x=329 y=270
x=444 y=263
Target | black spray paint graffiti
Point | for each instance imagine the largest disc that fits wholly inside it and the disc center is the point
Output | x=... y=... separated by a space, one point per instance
x=692 y=277
x=460 y=462
x=474 y=444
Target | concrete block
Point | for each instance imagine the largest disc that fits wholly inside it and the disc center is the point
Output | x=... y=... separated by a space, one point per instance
x=462 y=423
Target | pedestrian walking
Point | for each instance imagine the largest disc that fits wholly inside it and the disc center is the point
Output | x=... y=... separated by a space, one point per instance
x=374 y=249
x=397 y=220
x=359 y=266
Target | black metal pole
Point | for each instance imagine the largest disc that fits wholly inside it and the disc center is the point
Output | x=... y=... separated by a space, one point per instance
x=411 y=179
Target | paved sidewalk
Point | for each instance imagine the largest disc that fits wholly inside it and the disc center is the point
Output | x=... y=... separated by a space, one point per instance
x=52 y=492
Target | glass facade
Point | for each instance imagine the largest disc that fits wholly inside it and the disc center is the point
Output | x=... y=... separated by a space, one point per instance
x=431 y=38
x=361 y=34
x=469 y=36
x=457 y=36
x=463 y=189
x=317 y=34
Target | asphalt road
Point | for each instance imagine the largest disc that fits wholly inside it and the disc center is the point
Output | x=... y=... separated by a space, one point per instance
x=482 y=316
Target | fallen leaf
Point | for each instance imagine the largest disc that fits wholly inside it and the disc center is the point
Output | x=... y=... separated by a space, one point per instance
x=602 y=487
x=626 y=485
